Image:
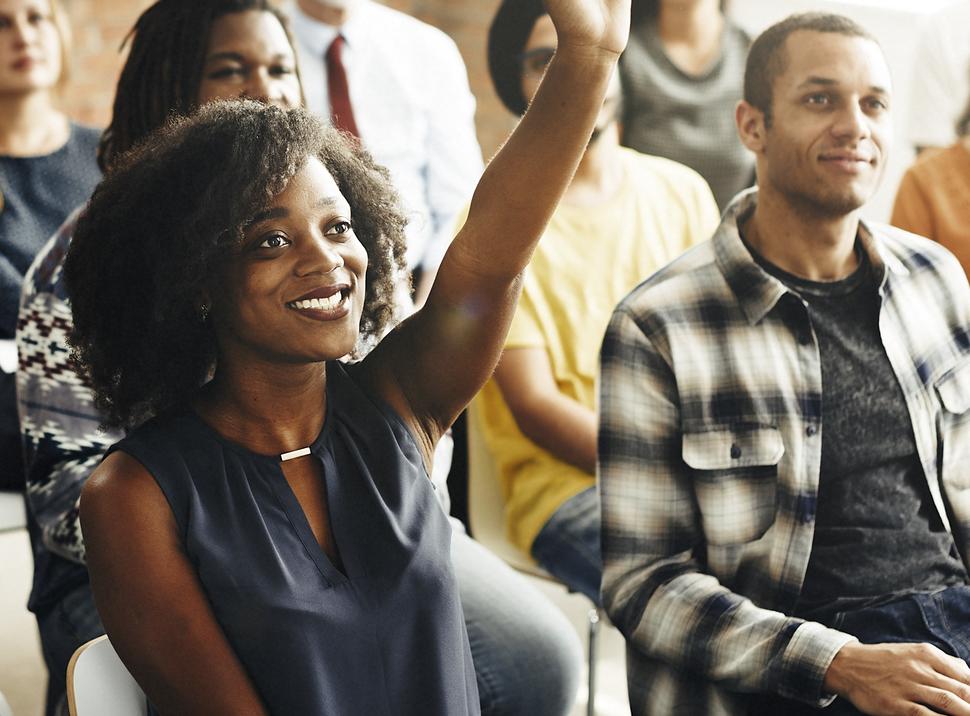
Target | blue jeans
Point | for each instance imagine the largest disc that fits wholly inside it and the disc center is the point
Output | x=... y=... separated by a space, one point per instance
x=568 y=545
x=940 y=618
x=528 y=658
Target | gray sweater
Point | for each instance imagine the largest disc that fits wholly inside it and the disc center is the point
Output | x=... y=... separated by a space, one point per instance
x=687 y=118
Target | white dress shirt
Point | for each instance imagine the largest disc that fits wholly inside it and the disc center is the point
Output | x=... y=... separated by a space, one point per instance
x=414 y=110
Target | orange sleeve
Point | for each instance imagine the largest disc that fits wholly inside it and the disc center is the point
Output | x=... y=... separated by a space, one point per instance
x=912 y=210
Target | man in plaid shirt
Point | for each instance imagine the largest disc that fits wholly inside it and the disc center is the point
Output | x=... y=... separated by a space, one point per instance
x=784 y=448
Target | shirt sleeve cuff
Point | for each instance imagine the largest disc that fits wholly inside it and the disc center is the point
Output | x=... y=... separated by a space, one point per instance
x=806 y=660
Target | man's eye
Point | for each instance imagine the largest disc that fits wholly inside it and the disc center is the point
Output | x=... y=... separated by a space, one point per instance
x=274 y=242
x=818 y=98
x=280 y=70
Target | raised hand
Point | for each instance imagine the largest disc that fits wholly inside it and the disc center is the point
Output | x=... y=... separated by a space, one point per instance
x=591 y=24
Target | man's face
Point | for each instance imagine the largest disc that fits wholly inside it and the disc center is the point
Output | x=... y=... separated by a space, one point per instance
x=831 y=129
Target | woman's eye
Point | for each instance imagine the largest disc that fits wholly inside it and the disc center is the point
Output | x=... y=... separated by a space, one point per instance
x=341 y=227
x=274 y=242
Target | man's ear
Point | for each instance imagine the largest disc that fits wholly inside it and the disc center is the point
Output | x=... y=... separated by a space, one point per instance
x=751 y=126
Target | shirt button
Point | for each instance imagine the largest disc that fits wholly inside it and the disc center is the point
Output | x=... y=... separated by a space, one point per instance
x=735 y=452
x=811 y=430
x=804 y=338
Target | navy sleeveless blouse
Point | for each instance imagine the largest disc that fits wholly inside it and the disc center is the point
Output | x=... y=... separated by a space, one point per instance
x=384 y=637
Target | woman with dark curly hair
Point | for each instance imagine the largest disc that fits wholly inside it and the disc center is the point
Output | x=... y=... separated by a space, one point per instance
x=527 y=656
x=278 y=514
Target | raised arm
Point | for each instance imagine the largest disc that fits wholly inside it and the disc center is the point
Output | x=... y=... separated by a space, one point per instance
x=435 y=362
x=150 y=600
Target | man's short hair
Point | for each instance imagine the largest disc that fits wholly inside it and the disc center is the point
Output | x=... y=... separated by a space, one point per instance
x=767 y=58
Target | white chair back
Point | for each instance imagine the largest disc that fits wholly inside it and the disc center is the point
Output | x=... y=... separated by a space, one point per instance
x=98 y=684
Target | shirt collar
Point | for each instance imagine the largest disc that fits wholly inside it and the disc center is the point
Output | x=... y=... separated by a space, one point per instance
x=756 y=290
x=316 y=36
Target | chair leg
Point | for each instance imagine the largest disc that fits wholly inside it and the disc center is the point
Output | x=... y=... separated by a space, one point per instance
x=593 y=618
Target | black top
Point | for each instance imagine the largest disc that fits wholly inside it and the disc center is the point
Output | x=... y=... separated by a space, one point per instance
x=36 y=195
x=877 y=533
x=386 y=636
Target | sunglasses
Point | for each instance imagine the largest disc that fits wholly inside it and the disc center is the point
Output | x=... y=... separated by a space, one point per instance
x=536 y=60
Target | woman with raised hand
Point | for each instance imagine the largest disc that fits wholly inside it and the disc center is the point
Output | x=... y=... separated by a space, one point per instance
x=182 y=54
x=282 y=551
x=47 y=167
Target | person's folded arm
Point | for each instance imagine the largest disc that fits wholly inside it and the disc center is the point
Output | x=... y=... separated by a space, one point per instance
x=150 y=599
x=552 y=420
x=655 y=589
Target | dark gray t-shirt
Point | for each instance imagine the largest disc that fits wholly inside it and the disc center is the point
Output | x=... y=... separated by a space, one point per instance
x=877 y=532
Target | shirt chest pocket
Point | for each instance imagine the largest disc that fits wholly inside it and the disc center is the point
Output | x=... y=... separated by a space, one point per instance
x=953 y=425
x=953 y=387
x=735 y=476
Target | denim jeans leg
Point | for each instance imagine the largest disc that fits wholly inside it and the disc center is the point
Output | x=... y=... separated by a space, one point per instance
x=528 y=658
x=568 y=545
x=69 y=624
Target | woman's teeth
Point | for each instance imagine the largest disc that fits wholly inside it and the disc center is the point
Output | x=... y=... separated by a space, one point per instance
x=326 y=304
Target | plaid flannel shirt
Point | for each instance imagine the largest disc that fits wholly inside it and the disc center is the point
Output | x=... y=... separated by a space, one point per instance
x=710 y=445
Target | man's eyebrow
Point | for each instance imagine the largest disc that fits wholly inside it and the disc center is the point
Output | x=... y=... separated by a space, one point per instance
x=829 y=82
x=823 y=81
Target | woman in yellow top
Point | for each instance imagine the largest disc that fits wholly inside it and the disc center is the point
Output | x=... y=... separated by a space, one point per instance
x=934 y=196
x=623 y=216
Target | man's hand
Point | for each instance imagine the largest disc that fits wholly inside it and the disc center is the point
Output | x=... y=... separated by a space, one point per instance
x=904 y=679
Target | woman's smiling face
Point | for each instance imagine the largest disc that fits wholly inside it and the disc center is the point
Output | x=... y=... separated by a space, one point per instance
x=294 y=291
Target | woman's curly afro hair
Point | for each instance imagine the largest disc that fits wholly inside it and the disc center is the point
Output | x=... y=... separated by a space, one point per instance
x=166 y=219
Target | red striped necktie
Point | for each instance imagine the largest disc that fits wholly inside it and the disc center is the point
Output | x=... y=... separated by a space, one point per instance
x=341 y=113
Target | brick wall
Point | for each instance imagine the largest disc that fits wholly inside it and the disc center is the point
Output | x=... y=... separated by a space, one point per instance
x=100 y=26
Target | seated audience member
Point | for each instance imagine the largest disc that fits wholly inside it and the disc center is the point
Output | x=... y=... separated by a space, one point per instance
x=682 y=73
x=526 y=655
x=399 y=85
x=939 y=87
x=785 y=433
x=280 y=512
x=933 y=199
x=623 y=216
x=47 y=167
